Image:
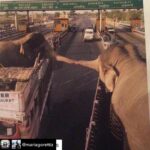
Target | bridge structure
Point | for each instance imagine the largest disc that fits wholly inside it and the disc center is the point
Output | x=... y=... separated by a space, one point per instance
x=39 y=5
x=58 y=5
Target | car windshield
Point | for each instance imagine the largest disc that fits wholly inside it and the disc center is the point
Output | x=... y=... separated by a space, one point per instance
x=90 y=32
x=110 y=28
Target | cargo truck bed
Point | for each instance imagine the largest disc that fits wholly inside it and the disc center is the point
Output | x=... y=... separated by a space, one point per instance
x=19 y=89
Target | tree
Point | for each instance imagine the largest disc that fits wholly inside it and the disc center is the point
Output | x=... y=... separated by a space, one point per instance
x=125 y=15
x=136 y=15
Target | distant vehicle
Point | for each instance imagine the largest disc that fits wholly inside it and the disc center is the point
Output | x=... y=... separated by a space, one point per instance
x=74 y=28
x=111 y=30
x=31 y=23
x=88 y=34
x=108 y=40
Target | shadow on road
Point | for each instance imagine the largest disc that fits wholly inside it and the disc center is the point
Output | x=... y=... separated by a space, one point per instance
x=68 y=120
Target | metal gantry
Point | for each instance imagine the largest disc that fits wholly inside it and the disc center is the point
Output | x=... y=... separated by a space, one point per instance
x=35 y=5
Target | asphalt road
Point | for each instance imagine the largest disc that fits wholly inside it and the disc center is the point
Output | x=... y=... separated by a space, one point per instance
x=71 y=97
x=73 y=87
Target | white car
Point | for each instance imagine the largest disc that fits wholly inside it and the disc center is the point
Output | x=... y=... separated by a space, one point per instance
x=88 y=34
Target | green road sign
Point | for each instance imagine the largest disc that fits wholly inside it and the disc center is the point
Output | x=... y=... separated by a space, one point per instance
x=76 y=5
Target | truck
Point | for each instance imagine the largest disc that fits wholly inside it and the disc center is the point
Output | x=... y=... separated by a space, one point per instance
x=61 y=24
x=23 y=97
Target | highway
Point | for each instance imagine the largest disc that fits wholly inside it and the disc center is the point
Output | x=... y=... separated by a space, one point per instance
x=72 y=93
x=73 y=88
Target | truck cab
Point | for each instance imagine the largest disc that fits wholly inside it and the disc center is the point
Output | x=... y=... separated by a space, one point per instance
x=61 y=24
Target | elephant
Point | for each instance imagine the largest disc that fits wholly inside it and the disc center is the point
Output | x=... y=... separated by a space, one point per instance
x=23 y=52
x=124 y=73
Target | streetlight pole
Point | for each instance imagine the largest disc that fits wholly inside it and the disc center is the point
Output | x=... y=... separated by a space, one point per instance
x=100 y=17
x=114 y=23
x=100 y=20
x=16 y=21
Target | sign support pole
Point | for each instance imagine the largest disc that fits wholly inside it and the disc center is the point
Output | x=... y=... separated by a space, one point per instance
x=16 y=21
x=28 y=18
x=32 y=17
x=100 y=20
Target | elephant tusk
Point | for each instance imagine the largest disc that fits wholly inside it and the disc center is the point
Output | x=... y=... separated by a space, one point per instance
x=66 y=60
x=21 y=49
x=93 y=64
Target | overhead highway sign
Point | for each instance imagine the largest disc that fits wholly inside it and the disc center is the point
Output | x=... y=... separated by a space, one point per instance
x=69 y=5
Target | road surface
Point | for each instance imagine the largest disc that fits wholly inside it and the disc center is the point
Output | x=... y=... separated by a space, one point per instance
x=72 y=93
x=73 y=88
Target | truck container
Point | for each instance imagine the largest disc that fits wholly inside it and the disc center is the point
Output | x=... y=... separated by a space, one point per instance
x=23 y=96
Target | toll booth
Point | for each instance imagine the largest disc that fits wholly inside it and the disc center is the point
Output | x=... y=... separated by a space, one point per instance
x=135 y=23
x=61 y=24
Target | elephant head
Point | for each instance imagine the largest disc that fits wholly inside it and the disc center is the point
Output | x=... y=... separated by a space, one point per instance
x=123 y=71
x=24 y=51
x=32 y=44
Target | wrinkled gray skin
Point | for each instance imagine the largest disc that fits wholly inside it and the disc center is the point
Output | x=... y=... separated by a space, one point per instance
x=124 y=74
x=22 y=52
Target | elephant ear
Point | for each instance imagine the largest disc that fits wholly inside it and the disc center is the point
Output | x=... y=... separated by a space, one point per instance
x=110 y=78
x=21 y=49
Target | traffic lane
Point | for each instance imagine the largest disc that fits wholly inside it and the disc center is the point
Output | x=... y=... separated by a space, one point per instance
x=68 y=75
x=138 y=37
x=82 y=50
x=129 y=37
x=85 y=22
x=72 y=95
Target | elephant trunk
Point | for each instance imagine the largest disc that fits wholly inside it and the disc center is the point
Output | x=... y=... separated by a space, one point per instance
x=92 y=64
x=109 y=77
